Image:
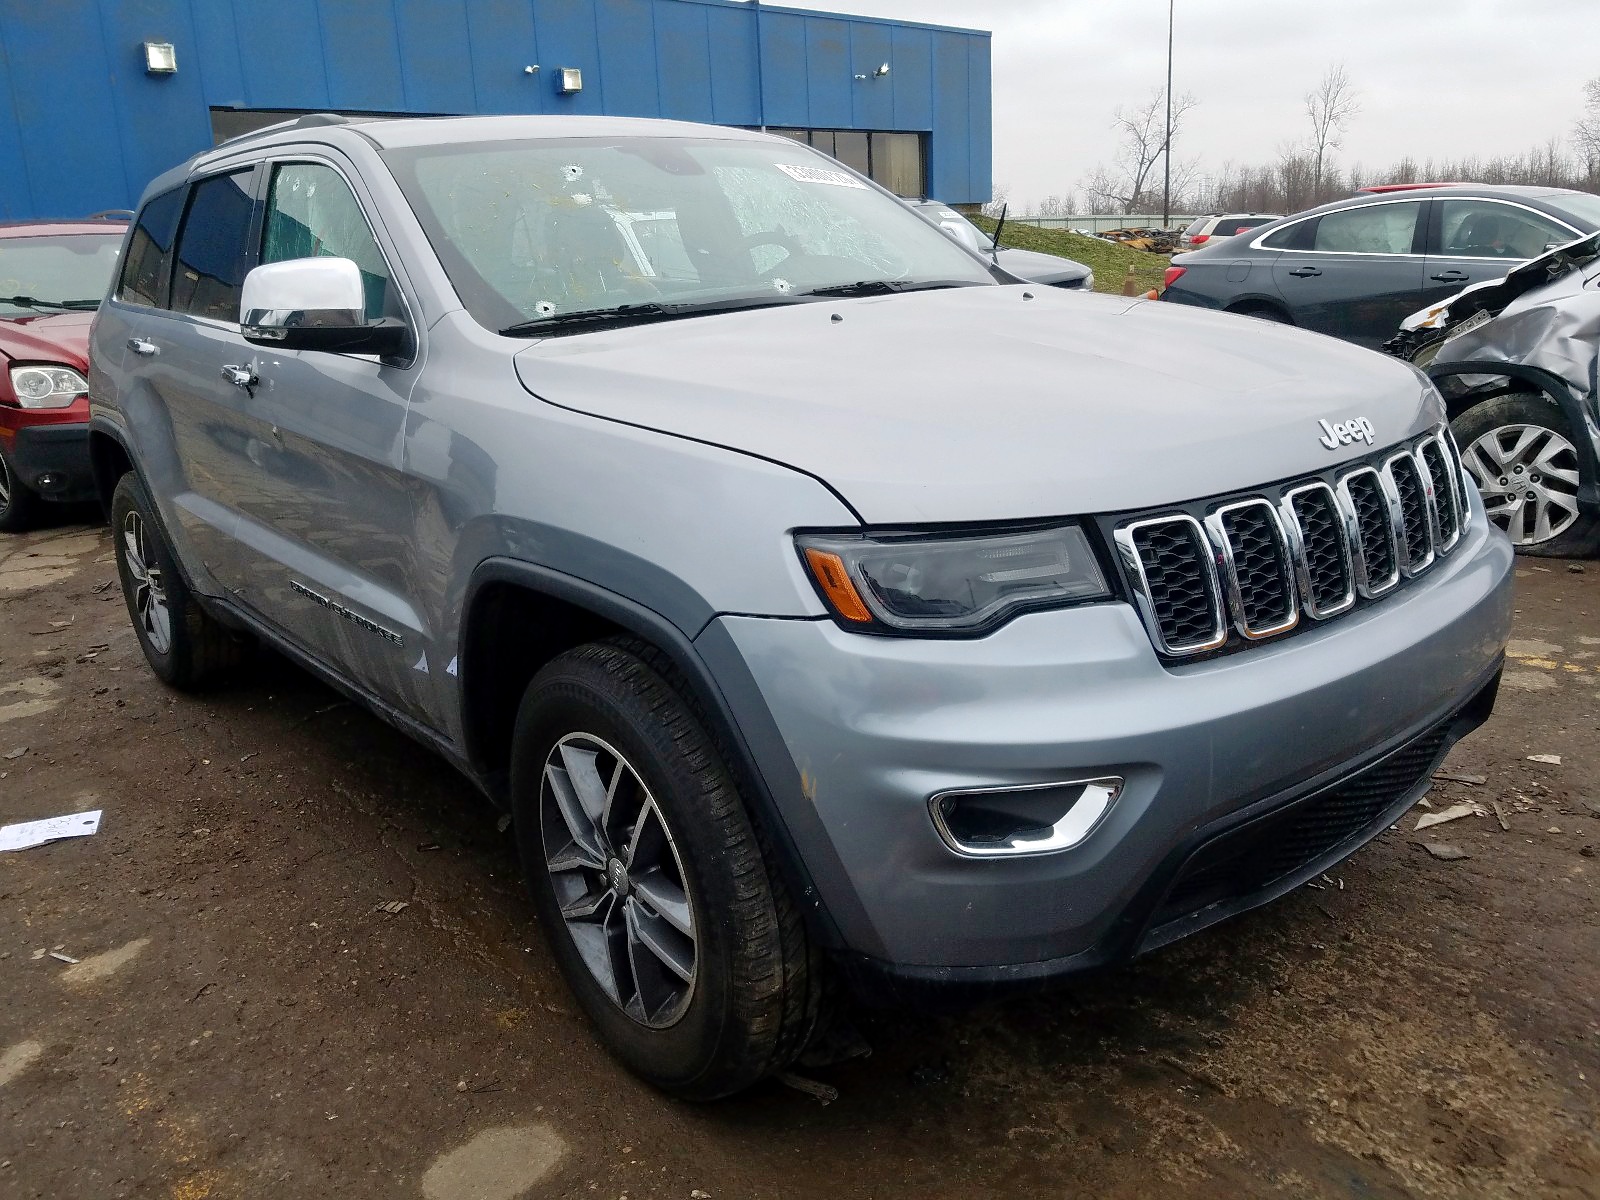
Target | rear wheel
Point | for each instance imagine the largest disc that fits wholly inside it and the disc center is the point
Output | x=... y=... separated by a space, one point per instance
x=1520 y=451
x=183 y=645
x=660 y=903
x=19 y=504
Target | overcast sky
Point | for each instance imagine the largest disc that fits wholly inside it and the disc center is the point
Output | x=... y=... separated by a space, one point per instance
x=1446 y=77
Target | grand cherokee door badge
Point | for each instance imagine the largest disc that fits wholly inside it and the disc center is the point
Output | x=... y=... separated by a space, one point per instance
x=354 y=618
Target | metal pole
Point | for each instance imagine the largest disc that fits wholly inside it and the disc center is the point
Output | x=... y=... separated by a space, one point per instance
x=761 y=83
x=1166 y=156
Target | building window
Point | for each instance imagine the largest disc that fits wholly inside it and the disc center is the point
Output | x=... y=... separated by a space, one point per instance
x=895 y=160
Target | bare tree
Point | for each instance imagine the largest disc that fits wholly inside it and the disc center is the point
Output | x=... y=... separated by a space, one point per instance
x=1054 y=206
x=1141 y=140
x=1330 y=108
x=1586 y=133
x=1002 y=194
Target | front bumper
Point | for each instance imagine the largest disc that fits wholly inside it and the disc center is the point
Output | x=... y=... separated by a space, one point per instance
x=870 y=728
x=52 y=460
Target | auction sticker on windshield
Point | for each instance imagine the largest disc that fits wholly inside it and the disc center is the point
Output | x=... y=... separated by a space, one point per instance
x=819 y=175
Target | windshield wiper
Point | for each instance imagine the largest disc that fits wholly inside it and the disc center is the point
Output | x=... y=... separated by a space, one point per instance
x=884 y=287
x=57 y=305
x=639 y=314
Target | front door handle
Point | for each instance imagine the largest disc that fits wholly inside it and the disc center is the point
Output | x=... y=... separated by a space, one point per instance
x=141 y=347
x=244 y=377
x=1305 y=272
x=1451 y=277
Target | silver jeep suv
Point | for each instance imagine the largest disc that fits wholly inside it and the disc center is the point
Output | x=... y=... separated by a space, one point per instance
x=823 y=607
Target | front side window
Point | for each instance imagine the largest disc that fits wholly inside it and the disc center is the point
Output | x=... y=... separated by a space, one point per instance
x=148 y=268
x=1375 y=229
x=534 y=231
x=312 y=213
x=214 y=248
x=1487 y=229
x=60 y=271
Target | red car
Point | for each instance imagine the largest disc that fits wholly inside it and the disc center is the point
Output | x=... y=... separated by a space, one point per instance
x=53 y=275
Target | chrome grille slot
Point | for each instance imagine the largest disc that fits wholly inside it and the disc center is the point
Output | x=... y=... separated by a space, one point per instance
x=1434 y=456
x=1416 y=512
x=1176 y=581
x=1256 y=570
x=1327 y=577
x=1371 y=522
x=1252 y=567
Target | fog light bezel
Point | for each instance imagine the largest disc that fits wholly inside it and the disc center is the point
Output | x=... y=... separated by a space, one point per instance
x=1067 y=833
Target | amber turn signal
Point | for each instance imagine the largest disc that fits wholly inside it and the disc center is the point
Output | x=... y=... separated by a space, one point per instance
x=835 y=583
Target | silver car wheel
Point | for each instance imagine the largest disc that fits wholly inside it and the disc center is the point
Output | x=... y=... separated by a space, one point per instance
x=1528 y=475
x=5 y=483
x=618 y=879
x=149 y=592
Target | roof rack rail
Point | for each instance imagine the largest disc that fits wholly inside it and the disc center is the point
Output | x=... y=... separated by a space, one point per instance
x=306 y=121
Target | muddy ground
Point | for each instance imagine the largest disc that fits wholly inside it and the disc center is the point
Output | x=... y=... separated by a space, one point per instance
x=247 y=1022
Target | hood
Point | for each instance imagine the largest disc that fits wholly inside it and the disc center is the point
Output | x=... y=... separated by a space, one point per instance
x=49 y=337
x=1049 y=269
x=978 y=404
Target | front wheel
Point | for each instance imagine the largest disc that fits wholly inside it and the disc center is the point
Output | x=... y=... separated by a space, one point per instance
x=1519 y=450
x=19 y=504
x=661 y=906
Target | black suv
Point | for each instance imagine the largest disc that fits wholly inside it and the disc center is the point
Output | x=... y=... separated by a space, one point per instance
x=1356 y=268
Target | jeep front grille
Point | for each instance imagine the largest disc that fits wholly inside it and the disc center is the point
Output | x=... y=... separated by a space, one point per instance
x=1257 y=565
x=1177 y=583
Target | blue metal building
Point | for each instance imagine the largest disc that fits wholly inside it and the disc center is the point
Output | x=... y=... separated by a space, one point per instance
x=89 y=110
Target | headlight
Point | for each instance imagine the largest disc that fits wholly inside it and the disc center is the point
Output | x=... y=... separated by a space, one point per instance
x=1088 y=282
x=950 y=583
x=46 y=387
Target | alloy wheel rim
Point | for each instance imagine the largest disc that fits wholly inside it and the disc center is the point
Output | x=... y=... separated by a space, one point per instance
x=618 y=880
x=1528 y=475
x=150 y=607
x=5 y=483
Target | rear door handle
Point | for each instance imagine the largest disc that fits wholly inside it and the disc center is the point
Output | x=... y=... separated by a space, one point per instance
x=141 y=347
x=1451 y=277
x=244 y=377
x=1305 y=272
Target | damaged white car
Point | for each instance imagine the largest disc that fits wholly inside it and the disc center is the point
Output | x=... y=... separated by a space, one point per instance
x=1516 y=360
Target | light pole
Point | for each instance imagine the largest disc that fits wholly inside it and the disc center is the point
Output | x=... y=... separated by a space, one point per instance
x=1166 y=153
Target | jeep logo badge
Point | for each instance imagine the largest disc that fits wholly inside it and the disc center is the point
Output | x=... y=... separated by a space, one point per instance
x=1342 y=433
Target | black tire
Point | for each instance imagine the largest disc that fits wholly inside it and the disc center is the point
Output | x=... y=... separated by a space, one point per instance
x=752 y=1002
x=1581 y=537
x=196 y=648
x=20 y=505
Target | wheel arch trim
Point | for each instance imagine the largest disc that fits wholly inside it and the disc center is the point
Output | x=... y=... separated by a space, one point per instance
x=708 y=691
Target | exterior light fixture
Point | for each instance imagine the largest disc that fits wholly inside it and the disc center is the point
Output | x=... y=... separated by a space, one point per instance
x=160 y=58
x=531 y=69
x=571 y=80
x=882 y=71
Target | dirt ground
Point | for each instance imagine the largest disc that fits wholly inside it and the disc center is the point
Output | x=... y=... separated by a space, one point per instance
x=245 y=1021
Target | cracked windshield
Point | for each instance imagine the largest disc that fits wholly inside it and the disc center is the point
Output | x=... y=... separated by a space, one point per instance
x=584 y=231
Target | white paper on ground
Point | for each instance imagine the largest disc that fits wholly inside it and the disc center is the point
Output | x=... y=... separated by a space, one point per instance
x=36 y=833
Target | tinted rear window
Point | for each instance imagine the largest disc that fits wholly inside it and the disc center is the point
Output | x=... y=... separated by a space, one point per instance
x=1292 y=237
x=148 y=267
x=214 y=248
x=1229 y=226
